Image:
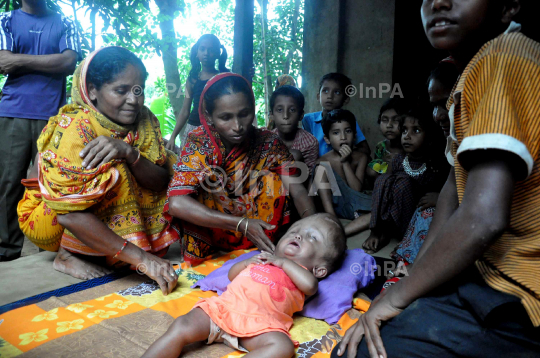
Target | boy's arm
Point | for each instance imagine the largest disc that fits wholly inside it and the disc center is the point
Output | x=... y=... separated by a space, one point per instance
x=326 y=193
x=60 y=63
x=304 y=280
x=355 y=179
x=467 y=233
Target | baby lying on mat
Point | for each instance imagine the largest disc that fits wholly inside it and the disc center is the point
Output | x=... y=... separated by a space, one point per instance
x=255 y=313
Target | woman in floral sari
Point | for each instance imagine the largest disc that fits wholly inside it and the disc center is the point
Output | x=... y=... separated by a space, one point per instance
x=232 y=183
x=99 y=182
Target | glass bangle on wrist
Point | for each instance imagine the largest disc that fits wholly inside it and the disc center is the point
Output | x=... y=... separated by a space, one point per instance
x=138 y=158
x=238 y=225
x=122 y=249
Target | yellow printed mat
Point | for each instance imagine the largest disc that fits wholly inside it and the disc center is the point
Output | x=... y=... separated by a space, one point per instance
x=124 y=317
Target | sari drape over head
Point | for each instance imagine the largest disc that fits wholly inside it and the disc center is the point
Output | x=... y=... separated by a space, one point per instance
x=109 y=191
x=245 y=182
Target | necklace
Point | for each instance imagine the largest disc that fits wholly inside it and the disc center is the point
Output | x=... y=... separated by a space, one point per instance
x=413 y=172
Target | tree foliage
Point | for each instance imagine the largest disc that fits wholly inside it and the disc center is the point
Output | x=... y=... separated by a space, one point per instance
x=133 y=24
x=279 y=41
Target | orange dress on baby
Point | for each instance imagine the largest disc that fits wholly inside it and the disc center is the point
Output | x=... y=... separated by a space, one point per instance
x=261 y=299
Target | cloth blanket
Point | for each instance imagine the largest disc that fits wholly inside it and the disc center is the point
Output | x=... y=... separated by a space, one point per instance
x=356 y=272
x=123 y=318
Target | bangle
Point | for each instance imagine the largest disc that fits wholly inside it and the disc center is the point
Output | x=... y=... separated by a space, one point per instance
x=238 y=225
x=122 y=249
x=302 y=215
x=247 y=224
x=138 y=158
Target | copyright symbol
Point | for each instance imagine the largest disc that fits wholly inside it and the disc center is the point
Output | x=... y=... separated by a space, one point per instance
x=137 y=90
x=142 y=269
x=356 y=268
x=214 y=186
x=350 y=90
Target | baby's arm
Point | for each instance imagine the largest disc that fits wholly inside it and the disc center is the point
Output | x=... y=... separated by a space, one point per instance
x=302 y=278
x=240 y=266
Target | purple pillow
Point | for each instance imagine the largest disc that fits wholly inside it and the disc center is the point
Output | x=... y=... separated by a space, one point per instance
x=356 y=272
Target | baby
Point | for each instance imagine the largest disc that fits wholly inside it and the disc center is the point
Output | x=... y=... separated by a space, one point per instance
x=255 y=313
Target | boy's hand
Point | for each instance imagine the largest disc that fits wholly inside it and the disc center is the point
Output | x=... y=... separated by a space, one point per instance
x=268 y=258
x=8 y=62
x=428 y=201
x=345 y=151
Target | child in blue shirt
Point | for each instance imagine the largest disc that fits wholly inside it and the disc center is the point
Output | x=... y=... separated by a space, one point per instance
x=332 y=96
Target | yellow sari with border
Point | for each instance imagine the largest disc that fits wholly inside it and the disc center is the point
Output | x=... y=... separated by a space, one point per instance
x=109 y=191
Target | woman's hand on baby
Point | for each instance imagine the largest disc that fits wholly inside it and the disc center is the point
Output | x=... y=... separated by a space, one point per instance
x=428 y=201
x=103 y=149
x=256 y=235
x=345 y=151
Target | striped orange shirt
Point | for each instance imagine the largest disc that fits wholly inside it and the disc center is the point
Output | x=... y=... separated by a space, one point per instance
x=496 y=105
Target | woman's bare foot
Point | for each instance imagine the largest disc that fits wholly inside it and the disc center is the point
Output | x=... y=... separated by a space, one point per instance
x=77 y=267
x=375 y=242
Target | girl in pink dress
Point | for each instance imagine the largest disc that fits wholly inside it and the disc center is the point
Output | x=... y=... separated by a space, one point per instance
x=255 y=313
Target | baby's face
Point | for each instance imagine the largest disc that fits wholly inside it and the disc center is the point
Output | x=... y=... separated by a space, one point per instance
x=307 y=241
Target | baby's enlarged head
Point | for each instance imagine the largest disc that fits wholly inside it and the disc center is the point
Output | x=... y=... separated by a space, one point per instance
x=317 y=242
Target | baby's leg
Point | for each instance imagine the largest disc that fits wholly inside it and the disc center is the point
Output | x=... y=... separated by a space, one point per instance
x=268 y=345
x=190 y=328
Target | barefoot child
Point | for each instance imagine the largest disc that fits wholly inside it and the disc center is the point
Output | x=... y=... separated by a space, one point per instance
x=440 y=84
x=255 y=313
x=287 y=109
x=203 y=57
x=385 y=151
x=332 y=96
x=422 y=169
x=474 y=289
x=346 y=165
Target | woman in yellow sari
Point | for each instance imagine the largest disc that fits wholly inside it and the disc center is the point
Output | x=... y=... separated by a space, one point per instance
x=99 y=182
x=233 y=182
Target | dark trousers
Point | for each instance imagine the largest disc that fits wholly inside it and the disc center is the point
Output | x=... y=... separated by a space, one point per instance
x=472 y=320
x=18 y=148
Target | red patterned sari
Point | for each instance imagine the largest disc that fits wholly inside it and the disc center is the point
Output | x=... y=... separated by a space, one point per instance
x=245 y=183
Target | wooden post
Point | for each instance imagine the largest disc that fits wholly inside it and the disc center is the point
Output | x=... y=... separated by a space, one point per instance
x=243 y=38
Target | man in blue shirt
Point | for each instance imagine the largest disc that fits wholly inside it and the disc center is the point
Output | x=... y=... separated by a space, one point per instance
x=332 y=96
x=38 y=49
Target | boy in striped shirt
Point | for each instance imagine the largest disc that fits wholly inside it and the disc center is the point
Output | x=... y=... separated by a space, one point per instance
x=474 y=289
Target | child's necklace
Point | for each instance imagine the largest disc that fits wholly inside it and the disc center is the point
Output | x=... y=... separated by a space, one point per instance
x=413 y=172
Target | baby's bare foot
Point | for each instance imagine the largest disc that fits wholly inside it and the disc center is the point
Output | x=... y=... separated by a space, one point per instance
x=77 y=267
